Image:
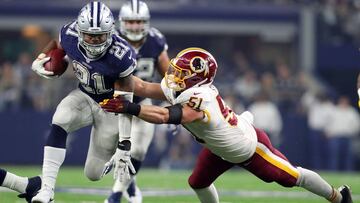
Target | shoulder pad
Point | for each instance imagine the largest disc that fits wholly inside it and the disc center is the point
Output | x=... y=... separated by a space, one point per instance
x=198 y=98
x=159 y=38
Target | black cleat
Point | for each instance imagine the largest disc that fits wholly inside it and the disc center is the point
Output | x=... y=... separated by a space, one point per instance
x=346 y=194
x=32 y=188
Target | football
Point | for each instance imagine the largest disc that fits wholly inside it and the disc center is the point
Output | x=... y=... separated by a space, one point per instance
x=57 y=62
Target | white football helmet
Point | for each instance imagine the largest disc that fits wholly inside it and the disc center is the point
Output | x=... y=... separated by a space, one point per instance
x=134 y=17
x=95 y=19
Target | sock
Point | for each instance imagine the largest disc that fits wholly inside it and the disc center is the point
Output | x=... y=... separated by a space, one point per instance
x=2 y=176
x=53 y=159
x=132 y=186
x=313 y=182
x=13 y=181
x=208 y=194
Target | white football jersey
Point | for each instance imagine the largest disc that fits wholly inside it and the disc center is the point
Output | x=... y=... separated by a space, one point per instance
x=221 y=131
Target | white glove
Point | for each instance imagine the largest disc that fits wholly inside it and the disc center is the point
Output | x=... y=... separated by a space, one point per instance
x=121 y=160
x=38 y=67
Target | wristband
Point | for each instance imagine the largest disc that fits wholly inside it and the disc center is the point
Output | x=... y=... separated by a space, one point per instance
x=133 y=109
x=124 y=145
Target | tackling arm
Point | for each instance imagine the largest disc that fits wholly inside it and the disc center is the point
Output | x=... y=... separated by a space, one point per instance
x=176 y=114
x=147 y=89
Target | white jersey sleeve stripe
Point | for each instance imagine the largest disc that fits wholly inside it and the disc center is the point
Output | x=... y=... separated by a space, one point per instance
x=128 y=71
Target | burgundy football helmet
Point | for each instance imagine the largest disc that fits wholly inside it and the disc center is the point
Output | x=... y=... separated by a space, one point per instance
x=191 y=67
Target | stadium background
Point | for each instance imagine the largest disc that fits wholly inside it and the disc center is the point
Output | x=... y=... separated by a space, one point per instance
x=290 y=50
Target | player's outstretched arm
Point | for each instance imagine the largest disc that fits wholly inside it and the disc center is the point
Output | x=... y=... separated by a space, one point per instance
x=176 y=114
x=147 y=89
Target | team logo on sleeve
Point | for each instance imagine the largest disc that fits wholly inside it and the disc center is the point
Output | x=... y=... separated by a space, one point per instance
x=199 y=65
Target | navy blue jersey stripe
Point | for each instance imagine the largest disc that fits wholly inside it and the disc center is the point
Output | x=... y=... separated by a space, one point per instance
x=98 y=14
x=92 y=14
x=138 y=6
x=132 y=5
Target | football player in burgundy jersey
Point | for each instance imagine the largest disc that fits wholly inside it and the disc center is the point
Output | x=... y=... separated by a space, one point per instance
x=100 y=58
x=228 y=139
x=151 y=54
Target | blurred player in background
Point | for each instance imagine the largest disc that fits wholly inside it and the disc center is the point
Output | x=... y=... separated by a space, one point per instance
x=99 y=59
x=151 y=51
x=228 y=139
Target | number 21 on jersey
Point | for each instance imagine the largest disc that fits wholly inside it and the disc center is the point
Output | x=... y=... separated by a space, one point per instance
x=85 y=78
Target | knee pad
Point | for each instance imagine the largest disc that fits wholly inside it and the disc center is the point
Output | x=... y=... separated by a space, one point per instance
x=57 y=137
x=63 y=117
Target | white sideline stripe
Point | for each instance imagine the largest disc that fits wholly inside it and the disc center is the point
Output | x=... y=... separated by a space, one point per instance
x=152 y=192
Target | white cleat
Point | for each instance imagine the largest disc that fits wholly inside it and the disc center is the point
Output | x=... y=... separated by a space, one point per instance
x=45 y=195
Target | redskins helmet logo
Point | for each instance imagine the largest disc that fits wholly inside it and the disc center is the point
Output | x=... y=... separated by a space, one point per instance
x=199 y=65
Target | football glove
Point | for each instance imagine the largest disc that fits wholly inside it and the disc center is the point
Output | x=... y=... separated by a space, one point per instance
x=38 y=67
x=121 y=161
x=119 y=104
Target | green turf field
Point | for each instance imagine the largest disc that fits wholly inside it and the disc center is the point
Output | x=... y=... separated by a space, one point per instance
x=171 y=187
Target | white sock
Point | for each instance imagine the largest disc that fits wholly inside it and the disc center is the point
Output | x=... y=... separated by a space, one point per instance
x=313 y=182
x=208 y=194
x=122 y=186
x=53 y=159
x=15 y=182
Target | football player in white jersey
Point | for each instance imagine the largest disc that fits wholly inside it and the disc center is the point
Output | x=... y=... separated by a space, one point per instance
x=151 y=51
x=228 y=139
x=100 y=58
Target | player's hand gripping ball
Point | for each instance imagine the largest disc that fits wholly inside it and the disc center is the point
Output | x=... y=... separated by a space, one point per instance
x=57 y=63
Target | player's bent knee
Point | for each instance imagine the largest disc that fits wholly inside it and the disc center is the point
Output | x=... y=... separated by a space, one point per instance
x=92 y=175
x=198 y=183
x=93 y=170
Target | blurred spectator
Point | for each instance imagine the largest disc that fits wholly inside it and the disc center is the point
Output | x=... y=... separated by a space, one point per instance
x=288 y=87
x=247 y=86
x=234 y=103
x=341 y=130
x=268 y=85
x=10 y=87
x=267 y=117
x=181 y=152
x=320 y=112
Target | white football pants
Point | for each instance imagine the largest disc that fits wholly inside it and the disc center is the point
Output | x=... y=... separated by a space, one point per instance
x=142 y=133
x=78 y=110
